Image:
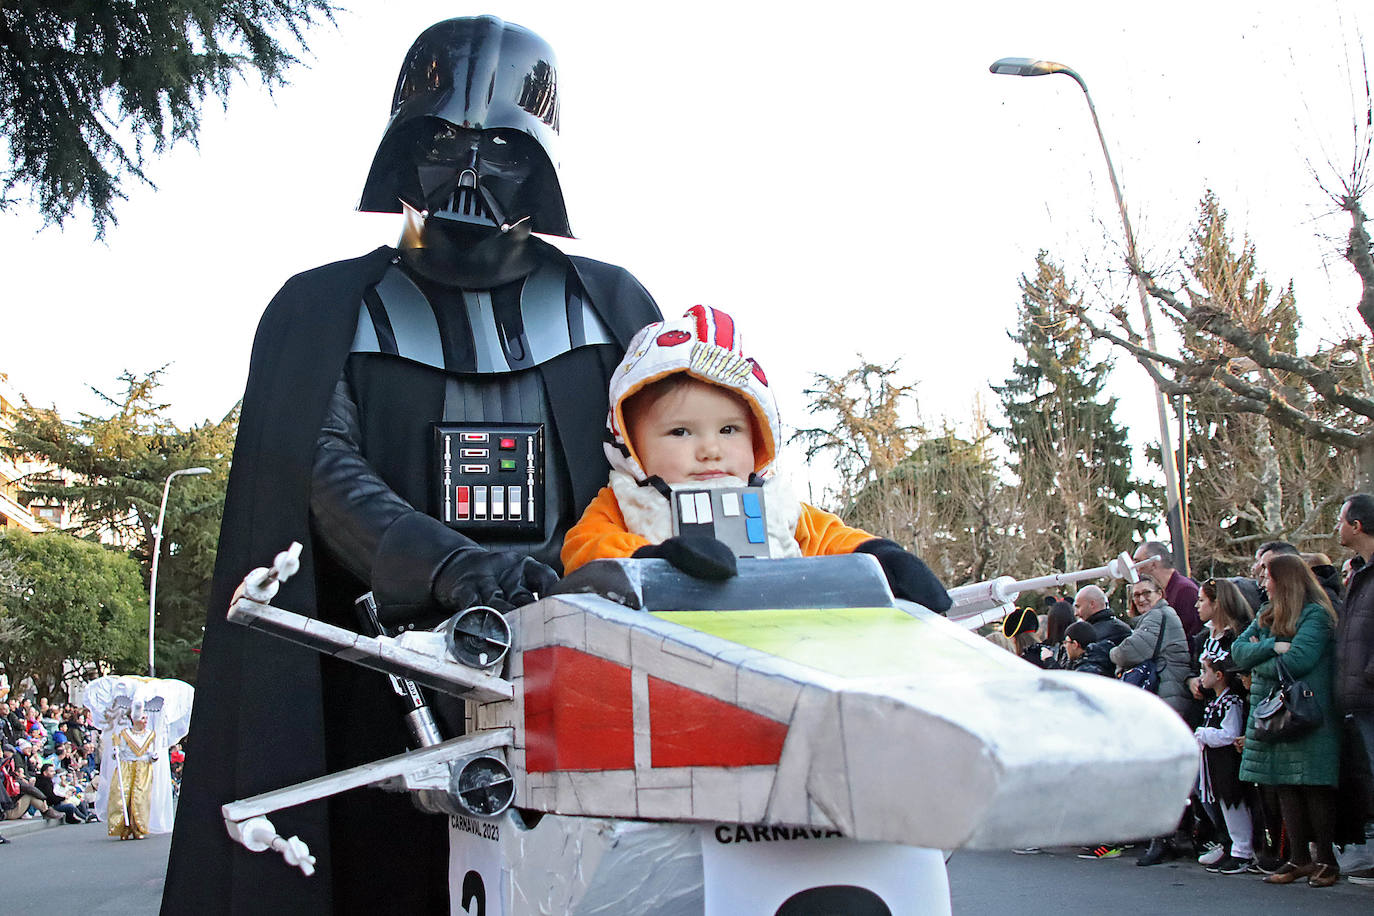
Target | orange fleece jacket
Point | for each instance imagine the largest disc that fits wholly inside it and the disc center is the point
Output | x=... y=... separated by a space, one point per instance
x=600 y=534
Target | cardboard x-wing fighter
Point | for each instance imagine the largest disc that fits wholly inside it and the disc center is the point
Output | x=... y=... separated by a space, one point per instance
x=799 y=695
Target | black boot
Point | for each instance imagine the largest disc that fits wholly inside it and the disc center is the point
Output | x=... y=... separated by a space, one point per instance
x=1160 y=849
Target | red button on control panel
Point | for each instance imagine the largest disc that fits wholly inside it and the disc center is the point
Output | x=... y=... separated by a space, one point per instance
x=464 y=506
x=508 y=445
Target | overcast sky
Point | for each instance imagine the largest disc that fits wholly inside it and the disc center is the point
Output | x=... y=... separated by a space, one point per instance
x=843 y=183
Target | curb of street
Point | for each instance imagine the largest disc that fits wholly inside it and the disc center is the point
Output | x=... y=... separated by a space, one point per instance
x=11 y=829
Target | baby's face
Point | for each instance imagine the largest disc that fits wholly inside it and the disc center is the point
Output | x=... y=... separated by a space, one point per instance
x=695 y=432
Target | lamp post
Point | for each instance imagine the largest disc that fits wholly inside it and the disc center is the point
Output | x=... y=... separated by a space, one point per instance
x=157 y=554
x=1177 y=516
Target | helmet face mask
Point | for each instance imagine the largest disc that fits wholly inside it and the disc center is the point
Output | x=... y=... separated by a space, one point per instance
x=472 y=176
x=473 y=130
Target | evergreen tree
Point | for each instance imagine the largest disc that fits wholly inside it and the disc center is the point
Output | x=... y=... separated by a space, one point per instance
x=1080 y=503
x=959 y=517
x=119 y=464
x=86 y=84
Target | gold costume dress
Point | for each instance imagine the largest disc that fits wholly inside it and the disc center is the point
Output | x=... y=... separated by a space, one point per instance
x=130 y=795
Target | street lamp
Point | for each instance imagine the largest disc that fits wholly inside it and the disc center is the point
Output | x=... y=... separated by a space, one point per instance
x=157 y=554
x=1177 y=516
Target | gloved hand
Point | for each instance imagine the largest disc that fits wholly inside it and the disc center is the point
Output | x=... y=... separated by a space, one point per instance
x=499 y=580
x=907 y=575
x=521 y=578
x=695 y=554
x=467 y=578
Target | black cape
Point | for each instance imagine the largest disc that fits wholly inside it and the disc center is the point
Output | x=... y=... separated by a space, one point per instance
x=269 y=713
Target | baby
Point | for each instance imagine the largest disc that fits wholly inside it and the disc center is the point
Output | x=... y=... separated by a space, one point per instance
x=688 y=408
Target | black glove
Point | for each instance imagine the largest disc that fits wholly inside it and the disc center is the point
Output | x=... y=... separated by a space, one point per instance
x=469 y=577
x=521 y=578
x=909 y=577
x=695 y=554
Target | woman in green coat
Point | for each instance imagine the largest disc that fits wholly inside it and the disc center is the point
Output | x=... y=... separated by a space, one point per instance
x=1297 y=625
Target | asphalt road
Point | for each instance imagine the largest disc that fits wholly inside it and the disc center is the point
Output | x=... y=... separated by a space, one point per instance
x=1058 y=882
x=79 y=869
x=99 y=876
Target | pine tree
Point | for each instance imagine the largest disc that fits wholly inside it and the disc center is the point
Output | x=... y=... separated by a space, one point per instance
x=86 y=84
x=117 y=466
x=1080 y=502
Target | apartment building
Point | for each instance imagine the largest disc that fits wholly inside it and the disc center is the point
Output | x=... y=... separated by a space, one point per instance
x=16 y=511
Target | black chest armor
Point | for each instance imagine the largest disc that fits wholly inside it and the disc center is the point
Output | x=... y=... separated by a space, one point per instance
x=497 y=353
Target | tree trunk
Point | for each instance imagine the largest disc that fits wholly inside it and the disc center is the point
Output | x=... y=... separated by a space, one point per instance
x=1073 y=541
x=1270 y=479
x=1364 y=467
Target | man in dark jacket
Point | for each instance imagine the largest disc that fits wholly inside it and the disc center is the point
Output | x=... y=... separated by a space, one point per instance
x=76 y=813
x=1090 y=604
x=1086 y=653
x=1355 y=636
x=71 y=725
x=1179 y=590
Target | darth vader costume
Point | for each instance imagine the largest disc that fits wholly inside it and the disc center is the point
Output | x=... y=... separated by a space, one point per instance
x=427 y=420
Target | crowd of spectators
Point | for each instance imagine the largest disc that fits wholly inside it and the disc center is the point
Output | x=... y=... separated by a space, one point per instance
x=49 y=762
x=1213 y=651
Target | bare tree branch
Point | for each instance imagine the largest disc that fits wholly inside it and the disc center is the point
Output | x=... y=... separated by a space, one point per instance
x=1207 y=380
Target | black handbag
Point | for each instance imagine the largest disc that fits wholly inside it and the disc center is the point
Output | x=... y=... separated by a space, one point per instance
x=1289 y=712
x=1146 y=674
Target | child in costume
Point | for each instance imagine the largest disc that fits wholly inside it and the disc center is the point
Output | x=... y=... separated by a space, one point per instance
x=689 y=409
x=1219 y=786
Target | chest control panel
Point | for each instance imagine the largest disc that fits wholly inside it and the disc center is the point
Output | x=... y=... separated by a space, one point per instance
x=490 y=477
x=734 y=515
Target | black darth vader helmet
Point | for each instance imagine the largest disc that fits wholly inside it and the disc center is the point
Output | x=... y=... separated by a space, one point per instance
x=474 y=129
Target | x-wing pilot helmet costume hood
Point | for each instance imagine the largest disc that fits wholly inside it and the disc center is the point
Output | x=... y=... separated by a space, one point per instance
x=705 y=345
x=474 y=130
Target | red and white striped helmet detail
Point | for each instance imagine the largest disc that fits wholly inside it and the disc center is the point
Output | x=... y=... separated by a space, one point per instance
x=705 y=344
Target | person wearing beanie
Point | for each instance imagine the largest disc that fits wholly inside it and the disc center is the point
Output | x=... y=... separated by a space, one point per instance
x=689 y=409
x=1085 y=651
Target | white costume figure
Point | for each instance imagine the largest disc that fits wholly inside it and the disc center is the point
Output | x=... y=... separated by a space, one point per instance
x=166 y=704
x=108 y=698
x=129 y=814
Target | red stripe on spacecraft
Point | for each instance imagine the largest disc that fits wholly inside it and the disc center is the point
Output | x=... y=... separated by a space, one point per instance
x=579 y=714
x=687 y=729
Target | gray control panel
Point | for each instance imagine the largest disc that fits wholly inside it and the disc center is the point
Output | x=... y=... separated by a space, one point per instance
x=734 y=515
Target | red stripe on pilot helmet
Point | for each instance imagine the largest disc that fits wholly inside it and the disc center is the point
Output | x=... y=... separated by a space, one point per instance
x=703 y=329
x=725 y=329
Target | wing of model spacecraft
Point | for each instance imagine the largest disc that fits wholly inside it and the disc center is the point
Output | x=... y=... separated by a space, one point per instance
x=980 y=603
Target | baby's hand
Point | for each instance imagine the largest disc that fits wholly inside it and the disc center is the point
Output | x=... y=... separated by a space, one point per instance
x=697 y=555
